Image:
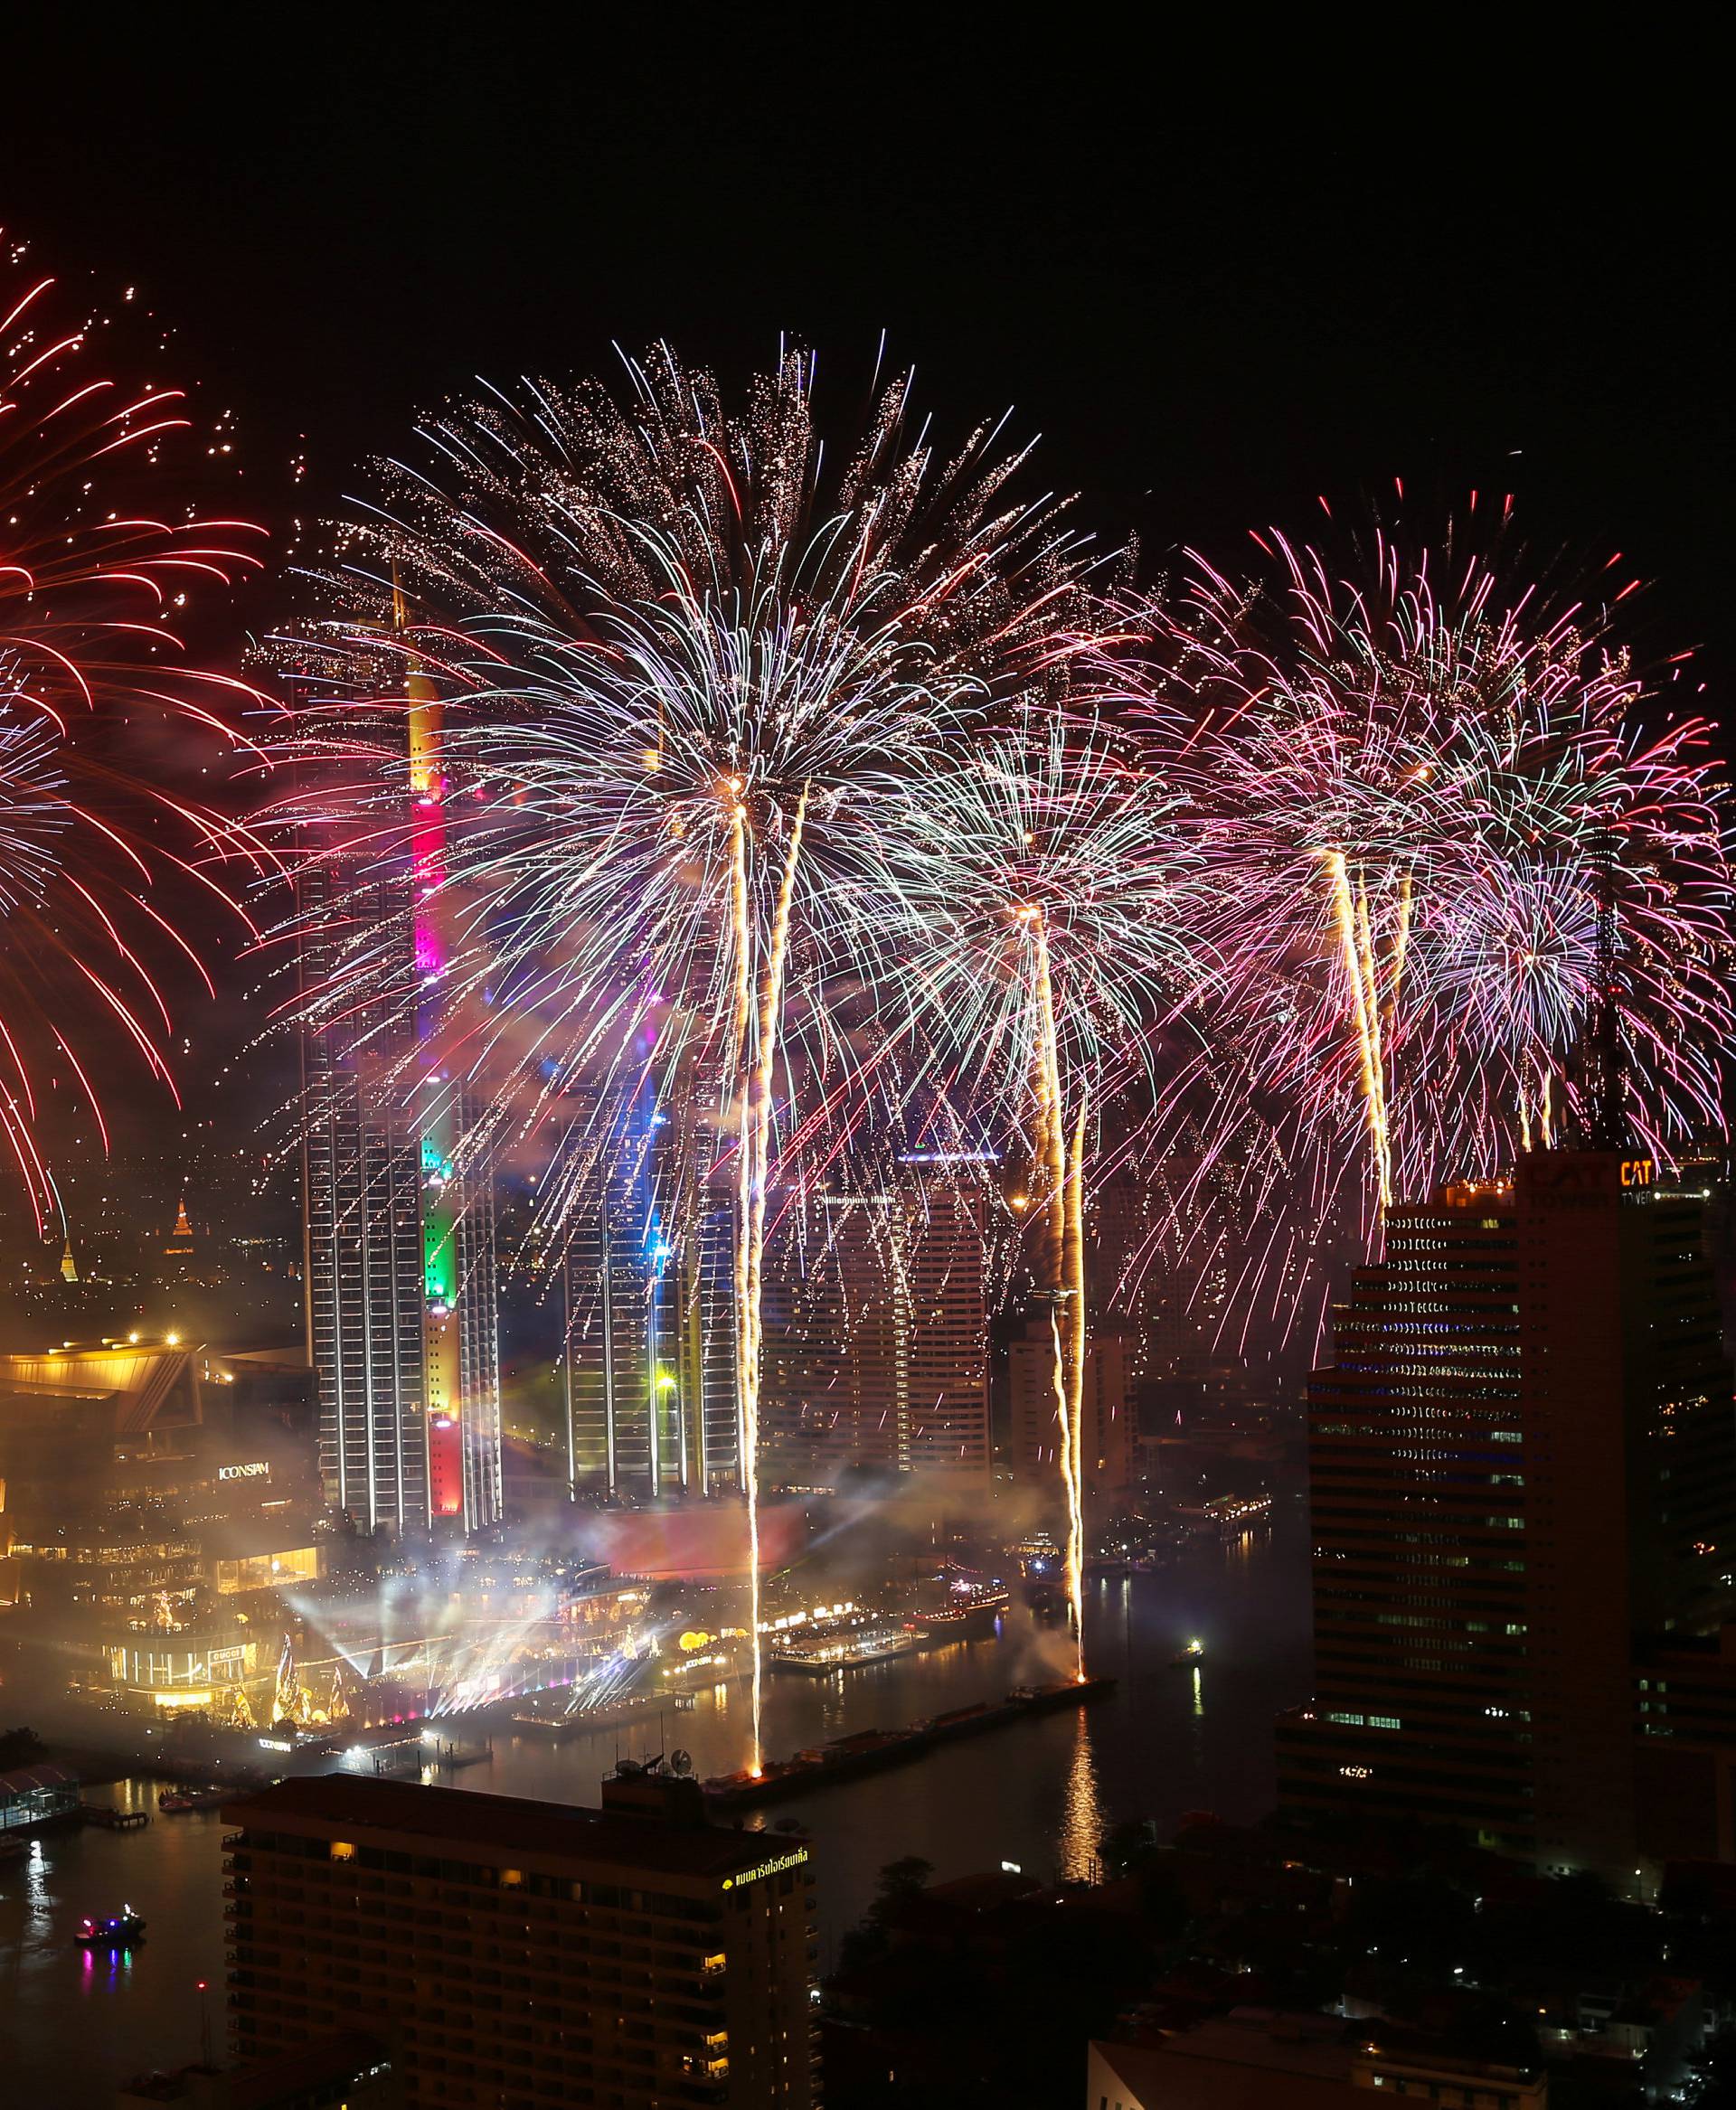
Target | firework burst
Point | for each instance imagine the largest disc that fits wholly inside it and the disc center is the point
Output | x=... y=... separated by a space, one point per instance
x=93 y=582
x=1046 y=925
x=686 y=672
x=1447 y=845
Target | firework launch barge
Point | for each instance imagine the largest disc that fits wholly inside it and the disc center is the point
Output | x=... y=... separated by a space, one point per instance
x=876 y=1750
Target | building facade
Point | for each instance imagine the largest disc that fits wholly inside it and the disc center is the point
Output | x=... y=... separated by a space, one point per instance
x=1522 y=1475
x=877 y=1332
x=1034 y=1428
x=649 y=1266
x=400 y=1262
x=526 y=1953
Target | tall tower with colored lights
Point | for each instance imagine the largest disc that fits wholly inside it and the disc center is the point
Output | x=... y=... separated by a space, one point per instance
x=400 y=1261
x=460 y=1352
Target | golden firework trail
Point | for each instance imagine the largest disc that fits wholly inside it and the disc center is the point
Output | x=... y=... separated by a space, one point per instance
x=1061 y=1155
x=757 y=1085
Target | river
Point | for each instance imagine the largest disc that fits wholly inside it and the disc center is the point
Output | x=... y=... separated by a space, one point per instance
x=1038 y=1794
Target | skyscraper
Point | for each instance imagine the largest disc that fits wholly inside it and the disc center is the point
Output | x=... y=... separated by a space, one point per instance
x=877 y=1329
x=1033 y=1423
x=837 y=1341
x=401 y=1292
x=650 y=1360
x=1523 y=1471
x=946 y=1296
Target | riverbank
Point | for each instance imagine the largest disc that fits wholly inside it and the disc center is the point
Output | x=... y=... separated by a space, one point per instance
x=1038 y=1792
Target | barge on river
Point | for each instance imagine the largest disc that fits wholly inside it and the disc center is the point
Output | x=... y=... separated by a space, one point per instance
x=874 y=1750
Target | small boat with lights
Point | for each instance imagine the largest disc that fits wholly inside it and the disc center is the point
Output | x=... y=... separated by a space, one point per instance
x=121 y=1930
x=1190 y=1657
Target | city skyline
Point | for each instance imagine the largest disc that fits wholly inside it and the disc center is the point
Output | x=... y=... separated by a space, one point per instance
x=867 y=986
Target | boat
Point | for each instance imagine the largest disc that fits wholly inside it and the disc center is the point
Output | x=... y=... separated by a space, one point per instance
x=874 y=1750
x=821 y=1659
x=1185 y=1659
x=176 y=1801
x=121 y=1930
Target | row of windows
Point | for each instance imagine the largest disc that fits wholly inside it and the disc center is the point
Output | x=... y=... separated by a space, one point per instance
x=618 y=1897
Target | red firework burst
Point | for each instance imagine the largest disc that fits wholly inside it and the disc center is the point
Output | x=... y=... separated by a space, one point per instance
x=100 y=557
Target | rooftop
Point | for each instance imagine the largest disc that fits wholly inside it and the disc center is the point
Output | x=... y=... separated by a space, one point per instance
x=289 y=2076
x=459 y=1820
x=29 y=1779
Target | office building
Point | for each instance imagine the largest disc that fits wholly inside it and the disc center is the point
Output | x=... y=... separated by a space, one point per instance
x=401 y=1294
x=1523 y=1474
x=524 y=1953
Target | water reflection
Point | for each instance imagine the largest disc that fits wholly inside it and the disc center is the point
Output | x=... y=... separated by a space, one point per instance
x=38 y=1899
x=1081 y=1808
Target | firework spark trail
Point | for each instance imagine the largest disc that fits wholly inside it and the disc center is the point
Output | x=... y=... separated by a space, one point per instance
x=689 y=681
x=90 y=584
x=1413 y=795
x=1045 y=918
x=1060 y=1151
x=756 y=1172
x=1073 y=1305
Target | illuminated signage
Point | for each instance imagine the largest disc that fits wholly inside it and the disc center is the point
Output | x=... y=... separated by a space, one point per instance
x=259 y=1469
x=275 y=1744
x=775 y=1866
x=1636 y=1171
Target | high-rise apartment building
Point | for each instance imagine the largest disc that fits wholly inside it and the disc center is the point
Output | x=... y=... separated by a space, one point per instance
x=1033 y=1410
x=623 y=1345
x=402 y=1293
x=1523 y=1476
x=650 y=1306
x=946 y=1287
x=877 y=1331
x=836 y=1341
x=527 y=1953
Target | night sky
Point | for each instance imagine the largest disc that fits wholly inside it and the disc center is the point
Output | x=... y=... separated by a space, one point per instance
x=1214 y=302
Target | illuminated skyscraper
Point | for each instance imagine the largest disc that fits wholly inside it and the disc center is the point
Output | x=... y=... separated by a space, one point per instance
x=650 y=1361
x=837 y=1341
x=946 y=1293
x=1522 y=1465
x=402 y=1296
